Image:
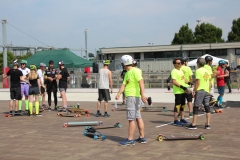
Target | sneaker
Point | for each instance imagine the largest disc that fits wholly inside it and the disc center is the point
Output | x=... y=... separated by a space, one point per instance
x=177 y=123
x=141 y=140
x=191 y=115
x=207 y=127
x=184 y=121
x=49 y=109
x=98 y=114
x=127 y=142
x=38 y=114
x=19 y=111
x=55 y=109
x=191 y=127
x=106 y=115
x=44 y=105
x=123 y=102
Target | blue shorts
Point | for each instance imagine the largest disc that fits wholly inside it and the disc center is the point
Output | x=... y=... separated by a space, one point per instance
x=221 y=90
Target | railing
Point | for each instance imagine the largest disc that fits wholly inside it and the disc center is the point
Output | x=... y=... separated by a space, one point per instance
x=151 y=80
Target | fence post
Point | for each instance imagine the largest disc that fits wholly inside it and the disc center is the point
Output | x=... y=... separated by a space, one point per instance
x=118 y=81
x=162 y=81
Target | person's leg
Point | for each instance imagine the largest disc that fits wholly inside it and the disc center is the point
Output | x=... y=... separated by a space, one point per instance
x=207 y=109
x=55 y=99
x=183 y=105
x=177 y=106
x=49 y=98
x=106 y=99
x=11 y=105
x=31 y=104
x=26 y=92
x=20 y=101
x=100 y=98
x=140 y=122
x=64 y=98
x=221 y=92
x=229 y=86
x=16 y=105
x=105 y=106
x=37 y=104
x=189 y=103
x=12 y=96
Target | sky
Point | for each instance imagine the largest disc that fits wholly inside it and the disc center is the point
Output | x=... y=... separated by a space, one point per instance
x=109 y=23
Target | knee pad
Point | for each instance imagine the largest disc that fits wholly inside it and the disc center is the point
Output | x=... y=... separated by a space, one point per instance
x=207 y=109
x=195 y=110
x=182 y=108
x=177 y=108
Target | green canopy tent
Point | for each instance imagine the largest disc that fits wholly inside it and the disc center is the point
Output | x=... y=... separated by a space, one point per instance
x=70 y=59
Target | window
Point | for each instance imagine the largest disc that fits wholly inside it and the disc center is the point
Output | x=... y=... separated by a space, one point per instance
x=237 y=51
x=217 y=52
x=195 y=54
x=170 y=54
x=137 y=56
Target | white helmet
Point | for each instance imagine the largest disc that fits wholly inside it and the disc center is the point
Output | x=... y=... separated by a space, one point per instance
x=126 y=60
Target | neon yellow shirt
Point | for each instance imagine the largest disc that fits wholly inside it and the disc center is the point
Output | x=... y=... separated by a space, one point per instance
x=209 y=68
x=131 y=82
x=204 y=77
x=187 y=71
x=179 y=77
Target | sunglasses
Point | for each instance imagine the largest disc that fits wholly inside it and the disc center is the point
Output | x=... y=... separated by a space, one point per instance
x=178 y=63
x=23 y=64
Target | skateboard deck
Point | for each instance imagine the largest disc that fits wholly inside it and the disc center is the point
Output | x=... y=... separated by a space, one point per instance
x=87 y=123
x=162 y=137
x=154 y=109
x=79 y=111
x=104 y=126
x=68 y=114
x=12 y=115
x=91 y=132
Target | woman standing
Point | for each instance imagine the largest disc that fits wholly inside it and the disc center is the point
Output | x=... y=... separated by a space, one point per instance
x=34 y=89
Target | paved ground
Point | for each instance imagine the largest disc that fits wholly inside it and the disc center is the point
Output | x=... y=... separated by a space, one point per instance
x=45 y=138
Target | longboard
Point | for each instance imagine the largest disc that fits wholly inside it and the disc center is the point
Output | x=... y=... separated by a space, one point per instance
x=154 y=109
x=13 y=114
x=91 y=132
x=68 y=114
x=162 y=137
x=104 y=126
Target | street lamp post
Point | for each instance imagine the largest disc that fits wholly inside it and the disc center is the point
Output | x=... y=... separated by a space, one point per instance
x=86 y=50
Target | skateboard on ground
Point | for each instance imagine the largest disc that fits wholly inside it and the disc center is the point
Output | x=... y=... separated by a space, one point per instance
x=79 y=111
x=68 y=114
x=92 y=132
x=162 y=137
x=104 y=126
x=14 y=114
x=90 y=123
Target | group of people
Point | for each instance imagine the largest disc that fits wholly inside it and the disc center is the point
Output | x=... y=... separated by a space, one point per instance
x=33 y=83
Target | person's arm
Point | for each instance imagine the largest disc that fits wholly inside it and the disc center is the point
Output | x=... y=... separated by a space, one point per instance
x=196 y=86
x=224 y=75
x=120 y=91
x=4 y=76
x=110 y=79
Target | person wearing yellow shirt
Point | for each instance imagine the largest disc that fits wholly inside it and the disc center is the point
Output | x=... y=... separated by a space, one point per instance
x=208 y=60
x=201 y=93
x=188 y=77
x=133 y=87
x=179 y=89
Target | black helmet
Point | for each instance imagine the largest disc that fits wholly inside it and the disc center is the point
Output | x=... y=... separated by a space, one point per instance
x=208 y=58
x=185 y=59
x=50 y=62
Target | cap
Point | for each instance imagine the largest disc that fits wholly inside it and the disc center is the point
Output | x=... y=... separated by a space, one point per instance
x=23 y=61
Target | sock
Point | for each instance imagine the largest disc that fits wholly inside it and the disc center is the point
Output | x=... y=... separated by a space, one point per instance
x=37 y=107
x=30 y=107
x=40 y=99
x=20 y=104
x=105 y=112
x=26 y=104
x=220 y=100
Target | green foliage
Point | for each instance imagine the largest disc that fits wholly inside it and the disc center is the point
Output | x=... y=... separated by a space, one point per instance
x=184 y=36
x=234 y=35
x=207 y=33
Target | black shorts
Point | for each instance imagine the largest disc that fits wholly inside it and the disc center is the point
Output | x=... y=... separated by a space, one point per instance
x=34 y=91
x=42 y=90
x=103 y=94
x=189 y=97
x=15 y=93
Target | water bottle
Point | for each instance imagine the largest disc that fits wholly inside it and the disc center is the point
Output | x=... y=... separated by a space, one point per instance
x=115 y=105
x=78 y=105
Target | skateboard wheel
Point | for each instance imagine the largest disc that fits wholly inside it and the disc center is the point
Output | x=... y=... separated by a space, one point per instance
x=160 y=138
x=65 y=125
x=85 y=132
x=165 y=110
x=119 y=125
x=103 y=137
x=202 y=137
x=95 y=137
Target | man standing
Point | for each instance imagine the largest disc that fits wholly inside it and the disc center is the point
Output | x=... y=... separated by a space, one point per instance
x=105 y=81
x=50 y=77
x=179 y=89
x=227 y=79
x=220 y=81
x=15 y=88
x=63 y=77
x=133 y=86
x=208 y=64
x=122 y=76
x=201 y=94
x=41 y=72
x=188 y=77
x=24 y=85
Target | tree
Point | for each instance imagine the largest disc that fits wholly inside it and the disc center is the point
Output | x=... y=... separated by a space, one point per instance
x=25 y=56
x=10 y=58
x=207 y=33
x=184 y=36
x=234 y=35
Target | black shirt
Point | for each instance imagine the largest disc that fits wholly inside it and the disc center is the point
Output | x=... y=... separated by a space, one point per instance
x=51 y=73
x=228 y=69
x=34 y=82
x=63 y=80
x=123 y=73
x=15 y=75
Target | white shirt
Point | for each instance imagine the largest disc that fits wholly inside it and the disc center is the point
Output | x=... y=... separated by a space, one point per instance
x=41 y=75
x=25 y=72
